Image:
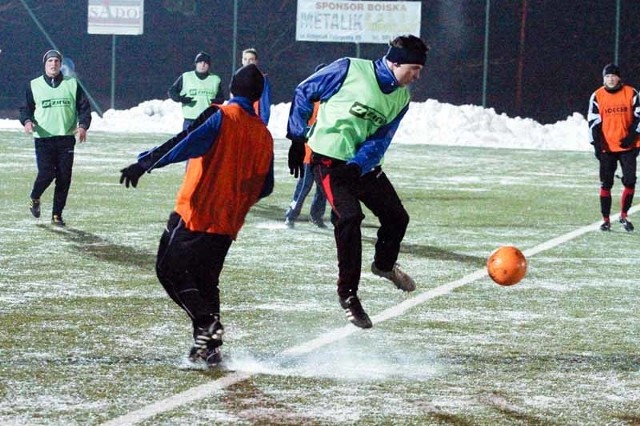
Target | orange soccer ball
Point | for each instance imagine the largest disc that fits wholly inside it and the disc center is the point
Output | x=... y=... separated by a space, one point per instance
x=507 y=265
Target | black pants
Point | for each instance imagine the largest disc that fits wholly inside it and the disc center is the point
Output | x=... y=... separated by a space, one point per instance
x=188 y=267
x=54 y=158
x=608 y=165
x=376 y=192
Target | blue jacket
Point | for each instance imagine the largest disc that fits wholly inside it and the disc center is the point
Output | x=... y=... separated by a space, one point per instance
x=321 y=86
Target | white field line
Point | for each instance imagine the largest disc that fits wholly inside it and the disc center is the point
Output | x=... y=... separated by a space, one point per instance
x=207 y=389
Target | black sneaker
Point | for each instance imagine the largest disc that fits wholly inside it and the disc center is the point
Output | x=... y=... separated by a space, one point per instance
x=318 y=222
x=34 y=206
x=606 y=226
x=56 y=220
x=628 y=226
x=213 y=357
x=397 y=276
x=206 y=338
x=355 y=313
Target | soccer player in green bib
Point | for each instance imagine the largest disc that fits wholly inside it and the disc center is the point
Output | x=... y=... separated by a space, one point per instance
x=197 y=89
x=55 y=110
x=361 y=105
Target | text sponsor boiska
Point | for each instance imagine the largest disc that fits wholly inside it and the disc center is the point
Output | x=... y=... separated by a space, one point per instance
x=361 y=6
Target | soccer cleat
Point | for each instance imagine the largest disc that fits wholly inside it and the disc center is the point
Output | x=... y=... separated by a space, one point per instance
x=56 y=220
x=355 y=313
x=396 y=275
x=34 y=206
x=628 y=226
x=196 y=361
x=606 y=226
x=289 y=223
x=318 y=222
x=206 y=339
x=213 y=357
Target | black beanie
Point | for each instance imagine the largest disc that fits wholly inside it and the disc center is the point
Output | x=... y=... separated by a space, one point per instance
x=247 y=82
x=51 y=54
x=611 y=69
x=403 y=55
x=202 y=57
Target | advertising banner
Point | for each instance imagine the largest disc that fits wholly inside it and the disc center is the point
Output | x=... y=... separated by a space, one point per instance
x=121 y=17
x=356 y=21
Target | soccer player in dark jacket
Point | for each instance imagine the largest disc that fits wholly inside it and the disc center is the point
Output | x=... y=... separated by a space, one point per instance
x=230 y=153
x=361 y=105
x=56 y=109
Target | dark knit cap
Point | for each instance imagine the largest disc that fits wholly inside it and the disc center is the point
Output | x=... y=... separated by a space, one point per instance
x=247 y=82
x=202 y=57
x=51 y=54
x=611 y=69
x=407 y=49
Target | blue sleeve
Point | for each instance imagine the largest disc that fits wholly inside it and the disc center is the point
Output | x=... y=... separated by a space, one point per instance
x=371 y=151
x=265 y=102
x=320 y=86
x=195 y=144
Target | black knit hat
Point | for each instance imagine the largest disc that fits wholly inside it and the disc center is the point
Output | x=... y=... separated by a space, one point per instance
x=247 y=82
x=51 y=54
x=202 y=57
x=407 y=49
x=611 y=69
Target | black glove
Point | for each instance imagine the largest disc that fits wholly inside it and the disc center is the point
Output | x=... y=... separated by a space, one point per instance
x=296 y=157
x=629 y=140
x=186 y=99
x=348 y=172
x=131 y=174
x=597 y=149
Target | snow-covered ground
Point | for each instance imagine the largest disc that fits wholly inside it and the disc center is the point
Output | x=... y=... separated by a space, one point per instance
x=429 y=122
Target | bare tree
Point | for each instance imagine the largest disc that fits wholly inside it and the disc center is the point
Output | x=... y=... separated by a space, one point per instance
x=259 y=25
x=6 y=7
x=186 y=7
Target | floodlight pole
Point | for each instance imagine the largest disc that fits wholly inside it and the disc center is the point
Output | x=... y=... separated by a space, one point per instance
x=235 y=36
x=485 y=64
x=113 y=71
x=615 y=53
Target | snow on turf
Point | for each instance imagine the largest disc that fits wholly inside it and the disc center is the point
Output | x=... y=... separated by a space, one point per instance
x=429 y=122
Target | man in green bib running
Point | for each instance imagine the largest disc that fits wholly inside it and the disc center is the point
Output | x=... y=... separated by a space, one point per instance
x=361 y=105
x=56 y=109
x=197 y=89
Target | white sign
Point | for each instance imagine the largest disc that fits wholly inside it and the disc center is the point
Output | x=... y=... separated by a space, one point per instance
x=124 y=17
x=357 y=21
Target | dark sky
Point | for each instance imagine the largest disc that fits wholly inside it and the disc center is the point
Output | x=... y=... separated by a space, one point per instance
x=566 y=44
